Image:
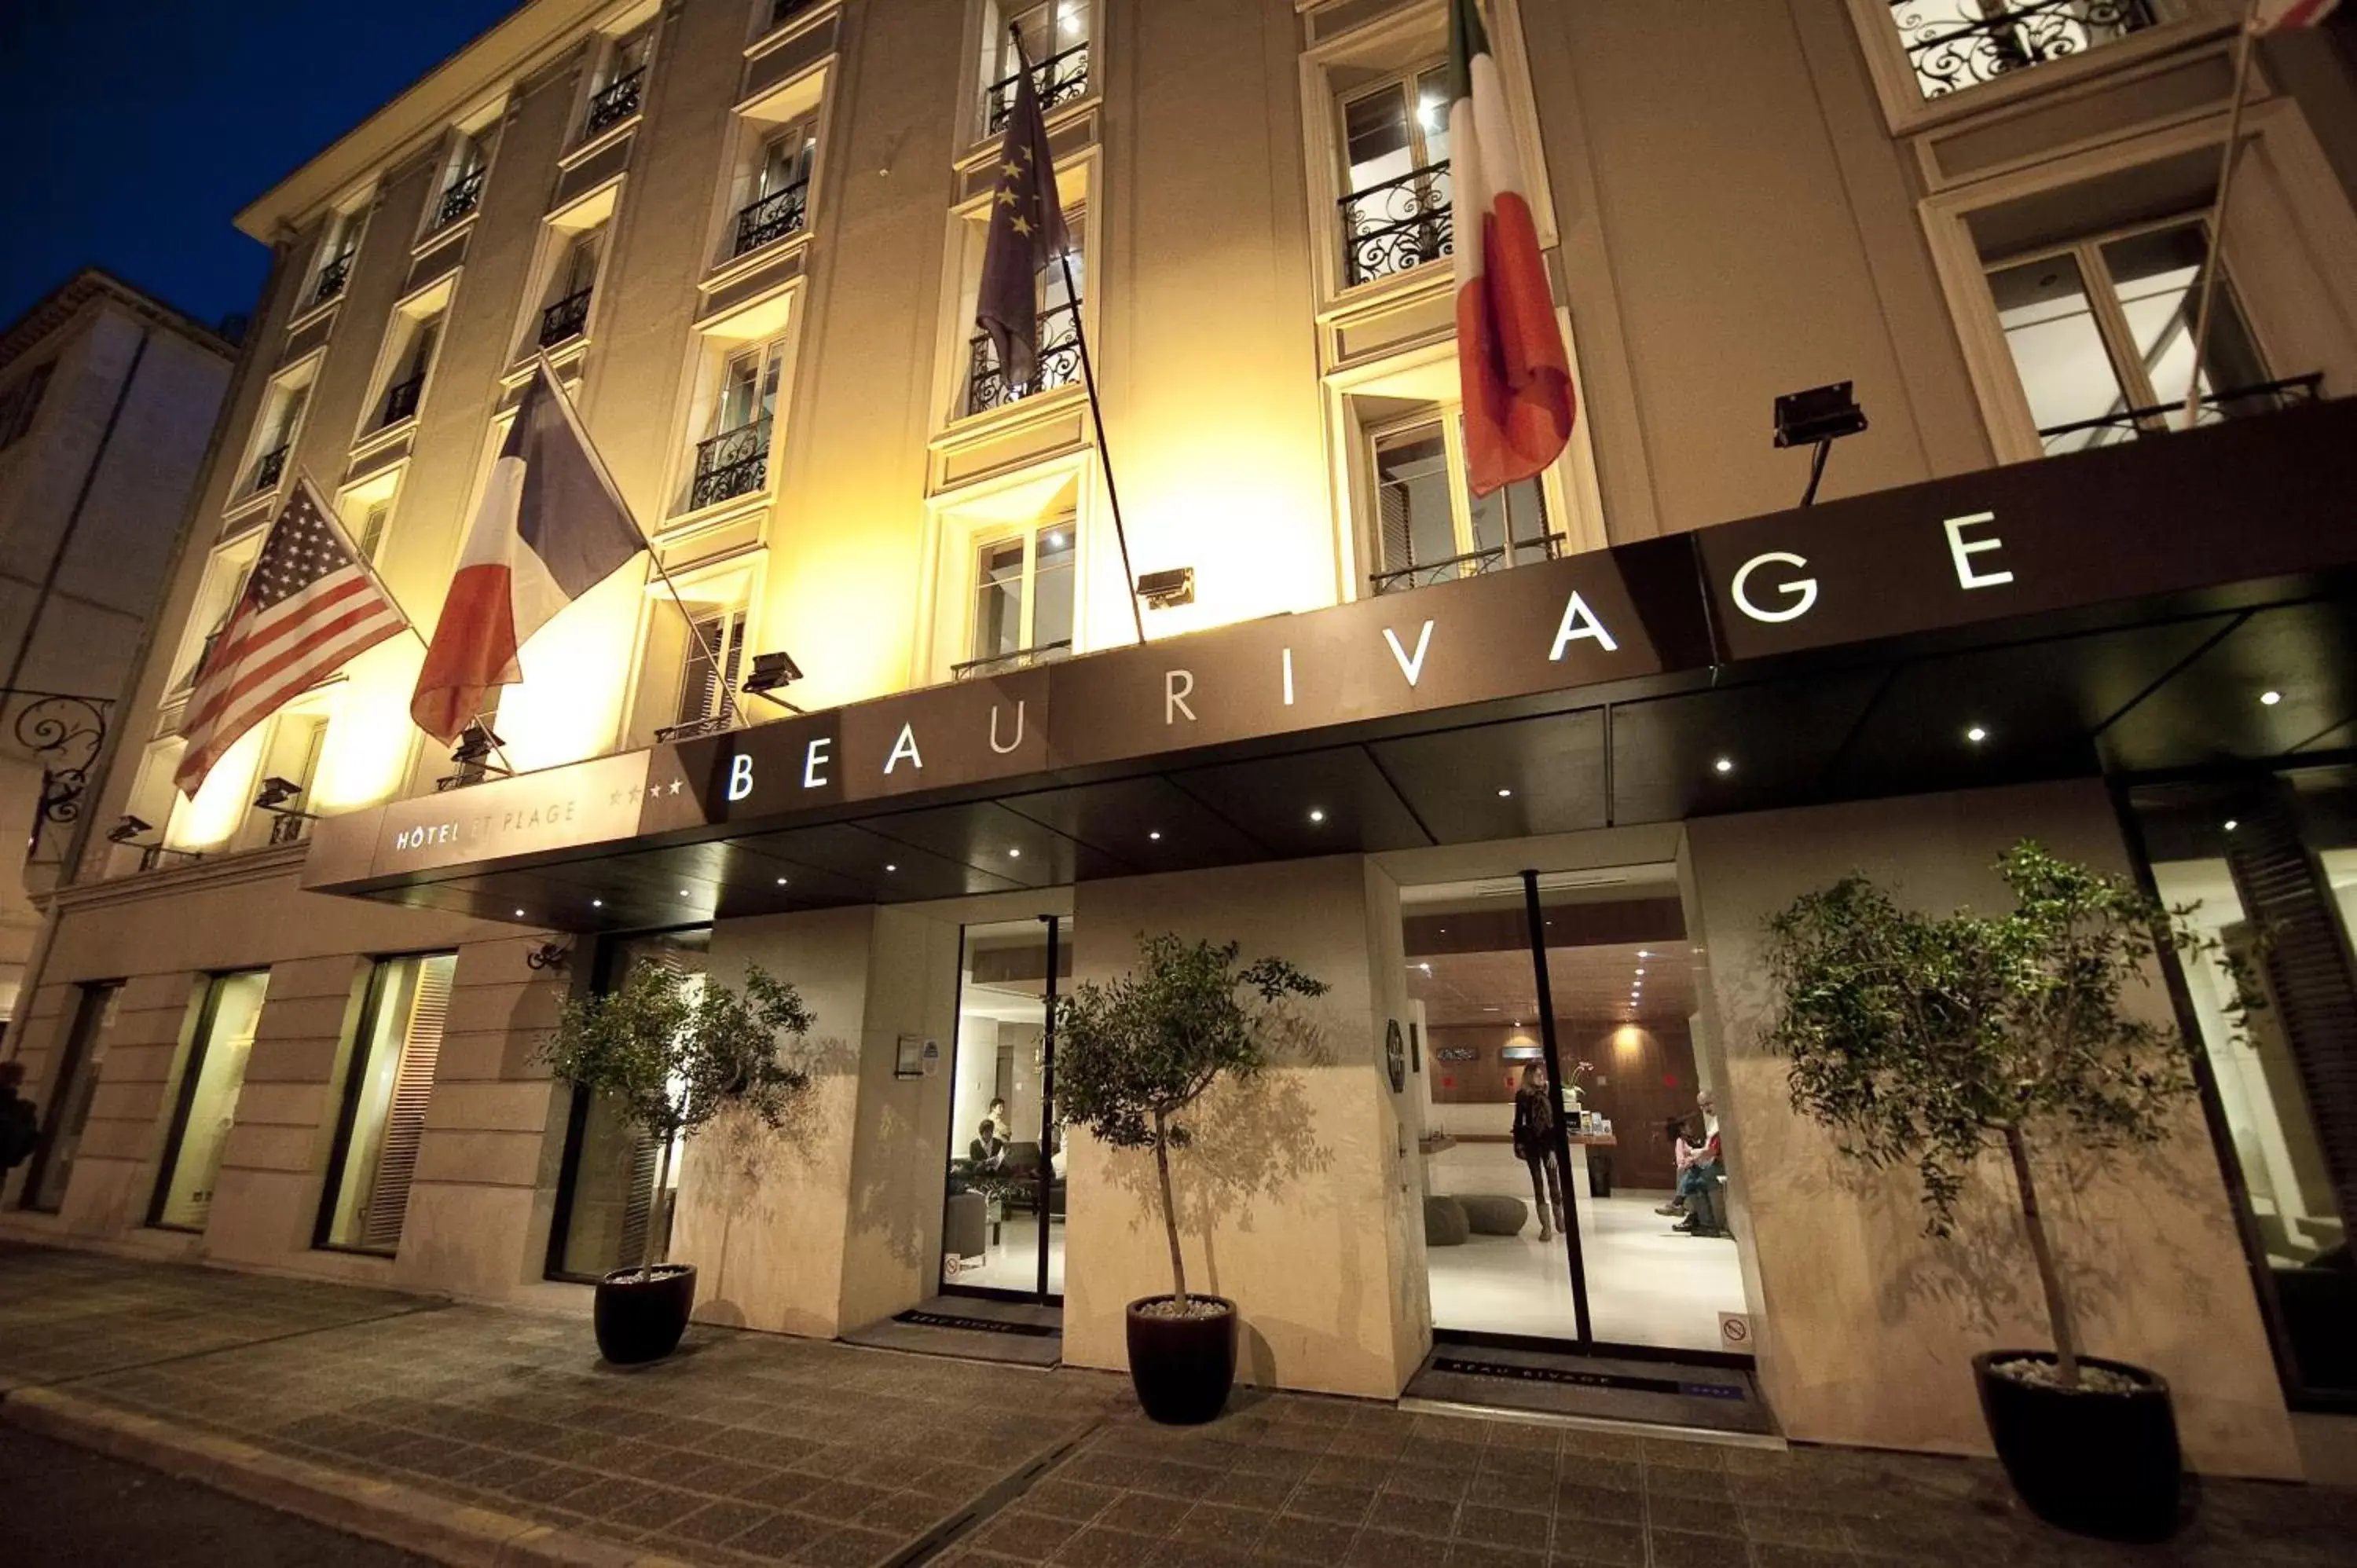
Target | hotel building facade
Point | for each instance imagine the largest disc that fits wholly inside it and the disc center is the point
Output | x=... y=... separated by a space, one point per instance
x=1518 y=777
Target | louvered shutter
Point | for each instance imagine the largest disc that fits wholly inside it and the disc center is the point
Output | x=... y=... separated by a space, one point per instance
x=412 y=1086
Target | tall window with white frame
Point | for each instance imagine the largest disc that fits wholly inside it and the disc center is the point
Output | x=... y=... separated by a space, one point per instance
x=1429 y=527
x=340 y=241
x=1055 y=35
x=775 y=188
x=2101 y=332
x=986 y=384
x=709 y=665
x=462 y=184
x=618 y=87
x=1023 y=593
x=1397 y=212
x=564 y=315
x=1956 y=43
x=282 y=420
x=734 y=459
x=418 y=337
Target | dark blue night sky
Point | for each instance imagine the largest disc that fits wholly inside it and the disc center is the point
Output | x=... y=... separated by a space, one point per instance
x=131 y=133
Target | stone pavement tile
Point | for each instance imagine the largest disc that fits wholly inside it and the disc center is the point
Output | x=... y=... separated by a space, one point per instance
x=1342 y=1504
x=1255 y=1491
x=1019 y=1532
x=1415 y=1515
x=1577 y=1501
x=1699 y=1516
x=1223 y=1525
x=1604 y=1545
x=636 y=1505
x=1065 y=1498
x=1483 y=1555
x=1442 y=1485
x=850 y=1547
x=1597 y=1470
x=1792 y=1527
x=1146 y=1513
x=715 y=1524
x=1100 y=1547
x=842 y=1501
x=1695 y=1546
x=1502 y=1527
x=1393 y=1549
x=1777 y=1555
x=1306 y=1540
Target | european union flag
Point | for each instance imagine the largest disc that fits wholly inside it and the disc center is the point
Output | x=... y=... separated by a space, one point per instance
x=1027 y=232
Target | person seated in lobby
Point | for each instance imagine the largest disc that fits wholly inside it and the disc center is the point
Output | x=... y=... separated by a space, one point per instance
x=1706 y=1199
x=1535 y=1146
x=1686 y=1139
x=988 y=1150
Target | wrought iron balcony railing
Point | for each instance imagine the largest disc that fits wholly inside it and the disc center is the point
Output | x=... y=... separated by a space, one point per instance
x=986 y=386
x=774 y=217
x=270 y=468
x=1472 y=563
x=1956 y=43
x=336 y=272
x=615 y=102
x=1008 y=664
x=784 y=11
x=1059 y=78
x=459 y=198
x=567 y=318
x=401 y=400
x=2127 y=424
x=290 y=827
x=731 y=464
x=695 y=729
x=1399 y=224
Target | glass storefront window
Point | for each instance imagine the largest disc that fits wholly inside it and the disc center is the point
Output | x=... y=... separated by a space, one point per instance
x=69 y=1109
x=1001 y=1233
x=211 y=1078
x=608 y=1210
x=388 y=1080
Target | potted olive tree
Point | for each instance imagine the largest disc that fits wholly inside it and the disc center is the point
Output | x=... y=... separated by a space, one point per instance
x=1132 y=1055
x=1938 y=1041
x=670 y=1051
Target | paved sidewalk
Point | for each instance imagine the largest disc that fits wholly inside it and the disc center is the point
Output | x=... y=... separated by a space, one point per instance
x=484 y=1435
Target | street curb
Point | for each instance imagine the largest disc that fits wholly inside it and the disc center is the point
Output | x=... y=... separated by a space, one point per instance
x=415 y=1521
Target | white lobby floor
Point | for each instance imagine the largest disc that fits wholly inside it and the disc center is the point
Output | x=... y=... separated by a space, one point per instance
x=1013 y=1261
x=1647 y=1285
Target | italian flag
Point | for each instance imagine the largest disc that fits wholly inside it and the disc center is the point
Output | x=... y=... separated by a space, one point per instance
x=1517 y=374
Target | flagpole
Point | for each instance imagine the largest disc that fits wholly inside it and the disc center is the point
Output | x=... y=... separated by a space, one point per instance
x=2226 y=161
x=1096 y=419
x=654 y=558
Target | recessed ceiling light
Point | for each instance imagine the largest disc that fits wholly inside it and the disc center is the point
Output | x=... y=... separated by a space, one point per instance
x=1976 y=734
x=1641 y=971
x=889 y=867
x=1316 y=815
x=2231 y=825
x=685 y=894
x=2270 y=698
x=1014 y=855
x=1505 y=794
x=1425 y=967
x=519 y=914
x=1156 y=834
x=782 y=882
x=1724 y=765
x=597 y=903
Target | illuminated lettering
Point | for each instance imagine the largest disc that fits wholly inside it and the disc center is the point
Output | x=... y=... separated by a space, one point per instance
x=740 y=778
x=1011 y=745
x=1178 y=685
x=1802 y=591
x=1288 y=677
x=906 y=747
x=1414 y=668
x=814 y=759
x=1580 y=621
x=1964 y=550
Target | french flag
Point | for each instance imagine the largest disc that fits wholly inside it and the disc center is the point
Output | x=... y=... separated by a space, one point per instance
x=551 y=527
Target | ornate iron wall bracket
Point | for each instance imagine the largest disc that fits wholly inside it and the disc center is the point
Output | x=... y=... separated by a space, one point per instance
x=67 y=734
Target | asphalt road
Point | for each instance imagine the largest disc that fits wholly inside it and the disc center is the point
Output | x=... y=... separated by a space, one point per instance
x=60 y=1504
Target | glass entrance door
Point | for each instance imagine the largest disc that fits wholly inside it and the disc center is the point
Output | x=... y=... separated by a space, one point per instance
x=1003 y=1202
x=1573 y=1162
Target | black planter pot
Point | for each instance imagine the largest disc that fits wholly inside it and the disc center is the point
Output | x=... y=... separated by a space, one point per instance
x=641 y=1318
x=2103 y=1464
x=1182 y=1368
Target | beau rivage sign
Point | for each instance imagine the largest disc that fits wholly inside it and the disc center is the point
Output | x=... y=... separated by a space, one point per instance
x=2264 y=498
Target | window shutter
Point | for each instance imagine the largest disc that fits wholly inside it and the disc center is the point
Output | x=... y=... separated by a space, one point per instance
x=412 y=1086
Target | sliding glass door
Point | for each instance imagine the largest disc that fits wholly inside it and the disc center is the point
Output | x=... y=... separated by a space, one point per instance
x=1003 y=1201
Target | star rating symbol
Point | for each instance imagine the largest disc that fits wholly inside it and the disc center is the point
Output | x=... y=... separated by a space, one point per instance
x=674 y=786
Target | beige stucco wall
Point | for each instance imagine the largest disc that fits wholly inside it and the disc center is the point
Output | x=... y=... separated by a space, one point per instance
x=1294 y=1200
x=1868 y=1327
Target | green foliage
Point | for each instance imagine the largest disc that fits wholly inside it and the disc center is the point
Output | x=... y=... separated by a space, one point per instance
x=1134 y=1053
x=1932 y=1039
x=670 y=1051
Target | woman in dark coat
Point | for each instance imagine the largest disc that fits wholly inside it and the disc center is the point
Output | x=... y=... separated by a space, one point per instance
x=1535 y=1116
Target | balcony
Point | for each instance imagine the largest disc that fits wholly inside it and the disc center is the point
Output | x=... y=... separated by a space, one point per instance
x=696 y=729
x=1008 y=664
x=1956 y=43
x=615 y=102
x=986 y=386
x=1401 y=223
x=774 y=217
x=2127 y=424
x=462 y=196
x=565 y=320
x=333 y=275
x=733 y=463
x=1059 y=78
x=271 y=467
x=401 y=400
x=1472 y=563
x=784 y=11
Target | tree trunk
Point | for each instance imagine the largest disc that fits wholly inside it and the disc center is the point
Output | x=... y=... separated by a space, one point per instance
x=2058 y=1307
x=658 y=1245
x=1169 y=1212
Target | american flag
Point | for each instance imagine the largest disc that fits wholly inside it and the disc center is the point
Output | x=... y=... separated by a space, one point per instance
x=310 y=604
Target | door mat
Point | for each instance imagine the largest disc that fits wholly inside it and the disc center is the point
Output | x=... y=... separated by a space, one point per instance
x=1593 y=1388
x=1018 y=1333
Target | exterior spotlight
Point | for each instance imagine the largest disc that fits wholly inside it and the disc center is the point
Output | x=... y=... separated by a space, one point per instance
x=1724 y=765
x=1817 y=417
x=129 y=827
x=773 y=672
x=1168 y=590
x=277 y=792
x=1976 y=734
x=2270 y=698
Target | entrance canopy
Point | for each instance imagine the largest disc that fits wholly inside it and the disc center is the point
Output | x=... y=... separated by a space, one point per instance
x=2125 y=610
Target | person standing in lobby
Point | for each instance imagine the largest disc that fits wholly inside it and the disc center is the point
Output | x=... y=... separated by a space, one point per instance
x=1534 y=1135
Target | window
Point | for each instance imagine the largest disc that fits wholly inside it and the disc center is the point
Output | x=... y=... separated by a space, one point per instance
x=462 y=186
x=292 y=757
x=781 y=11
x=387 y=1081
x=776 y=189
x=1956 y=43
x=1396 y=214
x=407 y=359
x=2102 y=334
x=340 y=241
x=281 y=420
x=1056 y=39
x=734 y=460
x=1429 y=528
x=566 y=315
x=620 y=83
x=224 y=585
x=20 y=401
x=212 y=1072
x=68 y=1110
x=986 y=386
x=1022 y=600
x=713 y=656
x=372 y=530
